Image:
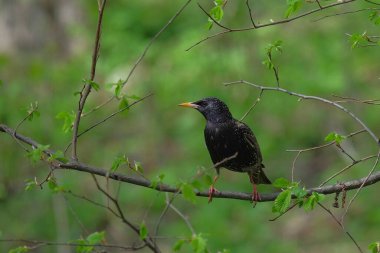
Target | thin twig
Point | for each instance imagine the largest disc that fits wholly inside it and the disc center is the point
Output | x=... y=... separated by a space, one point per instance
x=326 y=101
x=283 y=21
x=253 y=106
x=87 y=88
x=341 y=226
x=250 y=13
x=366 y=179
x=328 y=189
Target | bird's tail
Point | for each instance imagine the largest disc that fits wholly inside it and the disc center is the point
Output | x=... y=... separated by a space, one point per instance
x=259 y=177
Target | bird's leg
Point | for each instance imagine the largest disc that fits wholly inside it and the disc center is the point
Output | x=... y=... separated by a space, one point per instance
x=212 y=189
x=255 y=193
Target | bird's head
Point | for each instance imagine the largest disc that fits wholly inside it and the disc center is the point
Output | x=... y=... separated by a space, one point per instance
x=213 y=109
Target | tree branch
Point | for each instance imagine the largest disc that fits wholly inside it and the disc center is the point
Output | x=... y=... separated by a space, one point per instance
x=328 y=189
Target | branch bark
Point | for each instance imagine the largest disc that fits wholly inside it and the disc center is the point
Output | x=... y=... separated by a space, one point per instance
x=77 y=166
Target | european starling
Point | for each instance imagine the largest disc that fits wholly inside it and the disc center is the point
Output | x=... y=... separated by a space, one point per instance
x=231 y=143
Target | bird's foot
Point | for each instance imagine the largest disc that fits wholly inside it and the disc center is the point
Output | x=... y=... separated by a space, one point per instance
x=211 y=192
x=255 y=196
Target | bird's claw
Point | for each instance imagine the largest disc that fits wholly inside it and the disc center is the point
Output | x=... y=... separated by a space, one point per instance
x=211 y=192
x=255 y=197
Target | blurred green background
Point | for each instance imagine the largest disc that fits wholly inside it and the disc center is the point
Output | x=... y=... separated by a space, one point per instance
x=45 y=53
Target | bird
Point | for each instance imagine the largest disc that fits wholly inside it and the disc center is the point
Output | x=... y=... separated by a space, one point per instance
x=230 y=143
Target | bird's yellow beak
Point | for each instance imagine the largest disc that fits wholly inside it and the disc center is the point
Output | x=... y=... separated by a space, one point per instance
x=189 y=104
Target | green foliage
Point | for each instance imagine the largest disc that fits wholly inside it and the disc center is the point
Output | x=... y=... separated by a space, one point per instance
x=118 y=161
x=53 y=186
x=374 y=247
x=37 y=153
x=157 y=181
x=216 y=13
x=30 y=184
x=289 y=189
x=92 y=239
x=178 y=245
x=138 y=168
x=123 y=103
x=282 y=202
x=270 y=48
x=199 y=243
x=32 y=111
x=374 y=17
x=68 y=120
x=59 y=156
x=293 y=7
x=188 y=192
x=357 y=39
x=92 y=83
x=333 y=136
x=143 y=231
x=21 y=249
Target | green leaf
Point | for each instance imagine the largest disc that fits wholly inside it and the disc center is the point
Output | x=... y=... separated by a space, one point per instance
x=282 y=202
x=154 y=183
x=357 y=39
x=293 y=6
x=96 y=237
x=92 y=83
x=52 y=184
x=29 y=184
x=188 y=192
x=36 y=154
x=59 y=156
x=299 y=192
x=199 y=243
x=123 y=103
x=334 y=137
x=281 y=183
x=118 y=88
x=374 y=17
x=32 y=111
x=21 y=249
x=374 y=247
x=118 y=161
x=82 y=247
x=143 y=231
x=138 y=167
x=312 y=200
x=68 y=119
x=178 y=245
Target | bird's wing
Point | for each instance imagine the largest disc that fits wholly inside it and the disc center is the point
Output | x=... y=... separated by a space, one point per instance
x=250 y=138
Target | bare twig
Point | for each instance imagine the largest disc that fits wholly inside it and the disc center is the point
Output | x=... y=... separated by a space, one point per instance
x=343 y=13
x=283 y=21
x=361 y=186
x=87 y=88
x=341 y=226
x=250 y=13
x=364 y=101
x=328 y=189
x=326 y=101
x=253 y=106
x=38 y=243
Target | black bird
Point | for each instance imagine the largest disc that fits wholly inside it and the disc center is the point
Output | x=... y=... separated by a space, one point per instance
x=231 y=143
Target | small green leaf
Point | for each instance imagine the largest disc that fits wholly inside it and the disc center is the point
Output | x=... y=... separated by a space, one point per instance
x=282 y=202
x=178 y=245
x=138 y=167
x=281 y=183
x=123 y=103
x=312 y=200
x=374 y=17
x=29 y=184
x=36 y=154
x=21 y=249
x=154 y=183
x=68 y=120
x=299 y=192
x=293 y=6
x=118 y=161
x=59 y=156
x=118 y=88
x=334 y=137
x=143 y=231
x=358 y=39
x=96 y=238
x=188 y=192
x=374 y=247
x=93 y=84
x=199 y=243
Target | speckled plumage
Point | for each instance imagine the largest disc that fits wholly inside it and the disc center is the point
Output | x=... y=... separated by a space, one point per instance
x=231 y=143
